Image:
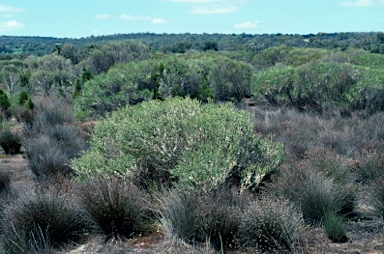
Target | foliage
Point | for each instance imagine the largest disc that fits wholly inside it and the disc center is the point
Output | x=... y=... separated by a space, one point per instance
x=316 y=84
x=54 y=214
x=52 y=74
x=101 y=59
x=273 y=227
x=22 y=97
x=115 y=206
x=201 y=76
x=4 y=101
x=10 y=142
x=179 y=141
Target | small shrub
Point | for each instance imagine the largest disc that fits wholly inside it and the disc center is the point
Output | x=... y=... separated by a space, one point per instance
x=5 y=181
x=29 y=104
x=4 y=101
x=46 y=158
x=22 y=97
x=55 y=216
x=372 y=167
x=273 y=227
x=335 y=228
x=10 y=142
x=68 y=138
x=378 y=196
x=46 y=114
x=115 y=206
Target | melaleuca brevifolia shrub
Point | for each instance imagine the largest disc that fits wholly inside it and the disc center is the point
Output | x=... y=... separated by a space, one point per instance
x=54 y=215
x=10 y=141
x=272 y=226
x=196 y=216
x=179 y=142
x=116 y=206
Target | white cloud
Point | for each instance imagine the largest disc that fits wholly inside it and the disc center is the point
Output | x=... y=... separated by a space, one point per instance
x=103 y=16
x=247 y=25
x=212 y=6
x=156 y=21
x=11 y=25
x=359 y=3
x=6 y=8
x=194 y=1
x=134 y=18
x=159 y=21
x=213 y=9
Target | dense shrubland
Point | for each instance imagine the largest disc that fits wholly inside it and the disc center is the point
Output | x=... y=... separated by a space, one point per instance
x=169 y=151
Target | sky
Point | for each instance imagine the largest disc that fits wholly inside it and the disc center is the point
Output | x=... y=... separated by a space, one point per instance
x=83 y=18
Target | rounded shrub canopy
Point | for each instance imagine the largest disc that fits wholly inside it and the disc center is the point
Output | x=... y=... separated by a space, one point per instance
x=180 y=142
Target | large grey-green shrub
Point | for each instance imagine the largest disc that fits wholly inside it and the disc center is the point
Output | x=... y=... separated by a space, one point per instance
x=180 y=142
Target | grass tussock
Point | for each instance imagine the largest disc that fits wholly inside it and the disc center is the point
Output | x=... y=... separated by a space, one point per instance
x=272 y=226
x=198 y=217
x=116 y=207
x=43 y=220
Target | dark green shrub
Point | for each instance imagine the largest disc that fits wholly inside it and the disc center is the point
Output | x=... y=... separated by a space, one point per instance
x=180 y=142
x=29 y=104
x=4 y=101
x=115 y=206
x=198 y=216
x=334 y=227
x=5 y=181
x=272 y=227
x=10 y=142
x=22 y=97
x=53 y=215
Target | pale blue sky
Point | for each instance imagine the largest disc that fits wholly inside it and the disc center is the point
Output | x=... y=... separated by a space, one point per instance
x=81 y=18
